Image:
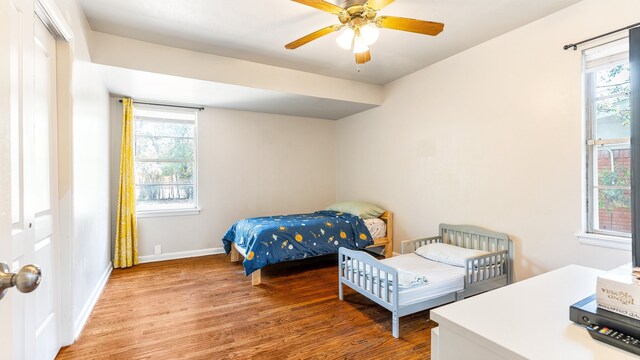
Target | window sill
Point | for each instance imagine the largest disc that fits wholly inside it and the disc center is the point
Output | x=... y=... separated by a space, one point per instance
x=606 y=241
x=167 y=213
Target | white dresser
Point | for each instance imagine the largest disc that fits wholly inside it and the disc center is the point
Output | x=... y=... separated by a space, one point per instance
x=526 y=320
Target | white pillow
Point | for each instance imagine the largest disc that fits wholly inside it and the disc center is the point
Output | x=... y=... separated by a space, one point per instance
x=448 y=254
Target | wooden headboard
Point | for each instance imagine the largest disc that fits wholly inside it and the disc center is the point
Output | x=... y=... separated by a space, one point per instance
x=387 y=241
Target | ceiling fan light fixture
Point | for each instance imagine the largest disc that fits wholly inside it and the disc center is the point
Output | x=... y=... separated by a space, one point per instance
x=345 y=40
x=360 y=21
x=359 y=45
x=370 y=34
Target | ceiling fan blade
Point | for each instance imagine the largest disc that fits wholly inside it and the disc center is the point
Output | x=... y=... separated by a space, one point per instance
x=412 y=25
x=314 y=35
x=322 y=5
x=363 y=57
x=378 y=4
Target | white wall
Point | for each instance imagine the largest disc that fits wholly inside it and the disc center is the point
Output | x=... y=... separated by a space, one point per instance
x=249 y=164
x=83 y=134
x=491 y=136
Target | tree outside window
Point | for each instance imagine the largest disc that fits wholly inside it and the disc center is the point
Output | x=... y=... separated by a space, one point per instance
x=165 y=160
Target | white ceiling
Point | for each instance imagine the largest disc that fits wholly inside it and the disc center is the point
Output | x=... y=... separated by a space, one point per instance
x=257 y=30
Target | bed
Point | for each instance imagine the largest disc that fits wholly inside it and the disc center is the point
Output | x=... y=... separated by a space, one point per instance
x=377 y=279
x=273 y=239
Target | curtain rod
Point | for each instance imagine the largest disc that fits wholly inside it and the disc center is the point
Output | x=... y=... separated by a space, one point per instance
x=199 y=108
x=575 y=46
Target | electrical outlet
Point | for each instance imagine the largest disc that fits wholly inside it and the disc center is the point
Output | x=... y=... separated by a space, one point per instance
x=158 y=249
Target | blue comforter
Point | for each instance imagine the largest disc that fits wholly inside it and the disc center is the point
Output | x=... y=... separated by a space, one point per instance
x=273 y=239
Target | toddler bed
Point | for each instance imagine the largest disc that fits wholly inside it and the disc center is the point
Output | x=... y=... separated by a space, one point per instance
x=273 y=239
x=410 y=283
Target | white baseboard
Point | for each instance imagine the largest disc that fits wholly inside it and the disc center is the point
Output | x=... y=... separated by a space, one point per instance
x=396 y=254
x=179 y=255
x=81 y=321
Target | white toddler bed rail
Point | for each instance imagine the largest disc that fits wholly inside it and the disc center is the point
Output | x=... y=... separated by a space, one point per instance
x=375 y=280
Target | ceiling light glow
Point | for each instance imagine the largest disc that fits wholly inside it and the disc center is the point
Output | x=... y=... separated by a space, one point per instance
x=359 y=45
x=345 y=40
x=369 y=33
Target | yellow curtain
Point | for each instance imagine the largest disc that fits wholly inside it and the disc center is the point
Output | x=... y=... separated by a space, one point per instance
x=126 y=247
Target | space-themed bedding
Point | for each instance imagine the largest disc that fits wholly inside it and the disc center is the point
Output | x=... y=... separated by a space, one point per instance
x=273 y=239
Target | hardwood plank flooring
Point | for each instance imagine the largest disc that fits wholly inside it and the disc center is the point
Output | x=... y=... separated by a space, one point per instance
x=205 y=308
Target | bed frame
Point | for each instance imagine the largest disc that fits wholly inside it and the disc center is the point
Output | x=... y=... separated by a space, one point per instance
x=478 y=278
x=387 y=242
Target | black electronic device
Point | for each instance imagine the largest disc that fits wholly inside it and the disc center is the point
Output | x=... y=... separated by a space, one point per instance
x=621 y=331
x=615 y=338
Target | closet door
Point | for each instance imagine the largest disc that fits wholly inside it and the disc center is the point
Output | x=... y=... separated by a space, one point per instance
x=42 y=321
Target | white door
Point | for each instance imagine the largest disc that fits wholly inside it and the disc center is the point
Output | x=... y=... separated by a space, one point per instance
x=42 y=322
x=28 y=171
x=9 y=55
x=16 y=93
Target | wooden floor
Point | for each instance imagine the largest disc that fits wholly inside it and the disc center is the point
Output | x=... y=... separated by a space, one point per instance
x=205 y=308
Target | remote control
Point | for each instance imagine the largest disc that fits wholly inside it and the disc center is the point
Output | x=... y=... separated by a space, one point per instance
x=614 y=338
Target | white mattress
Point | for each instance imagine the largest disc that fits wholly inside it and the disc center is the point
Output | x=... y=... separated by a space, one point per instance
x=377 y=227
x=442 y=278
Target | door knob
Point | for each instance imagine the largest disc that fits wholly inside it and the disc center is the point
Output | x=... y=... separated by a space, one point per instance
x=26 y=280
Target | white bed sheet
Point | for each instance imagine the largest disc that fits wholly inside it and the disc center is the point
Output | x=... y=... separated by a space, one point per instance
x=442 y=278
x=377 y=227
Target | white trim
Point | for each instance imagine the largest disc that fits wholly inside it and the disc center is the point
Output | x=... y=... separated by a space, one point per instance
x=607 y=241
x=180 y=255
x=396 y=254
x=81 y=321
x=48 y=12
x=605 y=40
x=164 y=213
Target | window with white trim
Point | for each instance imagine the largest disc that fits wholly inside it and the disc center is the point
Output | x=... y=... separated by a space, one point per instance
x=165 y=159
x=608 y=132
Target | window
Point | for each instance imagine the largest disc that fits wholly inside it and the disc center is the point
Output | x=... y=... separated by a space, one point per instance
x=165 y=160
x=608 y=115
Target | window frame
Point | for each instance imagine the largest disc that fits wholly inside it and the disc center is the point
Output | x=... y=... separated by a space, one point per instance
x=590 y=234
x=191 y=210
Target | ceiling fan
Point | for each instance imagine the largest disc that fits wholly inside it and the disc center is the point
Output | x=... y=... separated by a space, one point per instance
x=360 y=20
